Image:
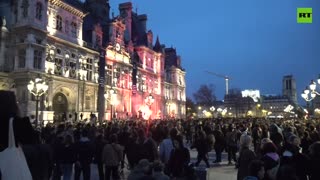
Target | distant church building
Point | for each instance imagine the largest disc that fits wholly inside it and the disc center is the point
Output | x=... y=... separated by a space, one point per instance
x=289 y=88
x=60 y=41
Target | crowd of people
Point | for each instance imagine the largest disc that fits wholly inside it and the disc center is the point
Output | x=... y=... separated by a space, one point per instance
x=260 y=149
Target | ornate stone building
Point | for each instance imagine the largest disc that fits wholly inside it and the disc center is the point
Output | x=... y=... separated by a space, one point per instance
x=59 y=41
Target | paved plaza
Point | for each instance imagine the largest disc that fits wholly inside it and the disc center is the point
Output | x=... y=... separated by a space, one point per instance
x=220 y=171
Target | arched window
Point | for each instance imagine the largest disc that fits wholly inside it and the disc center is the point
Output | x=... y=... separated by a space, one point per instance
x=38 y=11
x=59 y=23
x=74 y=29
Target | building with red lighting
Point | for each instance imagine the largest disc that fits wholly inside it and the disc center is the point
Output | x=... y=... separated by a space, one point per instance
x=61 y=40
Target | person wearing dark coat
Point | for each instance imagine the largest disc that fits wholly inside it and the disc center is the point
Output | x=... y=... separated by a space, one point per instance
x=179 y=158
x=219 y=143
x=313 y=168
x=67 y=157
x=271 y=160
x=99 y=144
x=84 y=156
x=246 y=156
x=292 y=157
x=202 y=147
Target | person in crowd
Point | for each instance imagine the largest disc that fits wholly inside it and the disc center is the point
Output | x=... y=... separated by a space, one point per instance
x=112 y=156
x=179 y=159
x=259 y=153
x=271 y=160
x=292 y=156
x=166 y=146
x=245 y=157
x=219 y=143
x=256 y=170
x=67 y=157
x=123 y=141
x=131 y=149
x=287 y=172
x=314 y=134
x=158 y=171
x=84 y=156
x=99 y=145
x=141 y=171
x=314 y=162
x=305 y=142
x=201 y=145
x=276 y=136
x=231 y=142
x=256 y=135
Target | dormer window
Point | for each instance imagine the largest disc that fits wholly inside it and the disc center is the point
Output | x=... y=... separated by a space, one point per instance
x=59 y=23
x=39 y=11
x=74 y=29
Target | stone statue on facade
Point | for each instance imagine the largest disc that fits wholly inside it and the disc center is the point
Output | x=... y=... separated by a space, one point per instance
x=4 y=22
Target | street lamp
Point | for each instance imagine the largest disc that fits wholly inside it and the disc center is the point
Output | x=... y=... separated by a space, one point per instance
x=37 y=87
x=110 y=96
x=311 y=90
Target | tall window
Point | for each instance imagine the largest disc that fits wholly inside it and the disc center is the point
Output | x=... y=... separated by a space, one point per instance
x=87 y=102
x=109 y=75
x=89 y=69
x=22 y=58
x=37 y=59
x=25 y=6
x=59 y=23
x=39 y=11
x=74 y=29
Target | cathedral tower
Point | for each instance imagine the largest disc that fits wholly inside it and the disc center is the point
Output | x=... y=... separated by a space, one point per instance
x=289 y=88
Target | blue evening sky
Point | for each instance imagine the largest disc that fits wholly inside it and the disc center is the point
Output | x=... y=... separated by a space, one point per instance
x=256 y=42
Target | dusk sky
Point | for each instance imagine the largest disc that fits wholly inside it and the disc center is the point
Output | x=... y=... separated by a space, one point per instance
x=254 y=42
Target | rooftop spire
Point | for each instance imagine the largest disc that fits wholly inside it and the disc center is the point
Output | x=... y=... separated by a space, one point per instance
x=157 y=47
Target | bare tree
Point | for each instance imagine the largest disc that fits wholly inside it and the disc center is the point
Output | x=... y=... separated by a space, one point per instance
x=190 y=106
x=205 y=95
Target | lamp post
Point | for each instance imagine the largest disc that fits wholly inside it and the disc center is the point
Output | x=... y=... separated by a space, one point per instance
x=310 y=93
x=110 y=96
x=37 y=87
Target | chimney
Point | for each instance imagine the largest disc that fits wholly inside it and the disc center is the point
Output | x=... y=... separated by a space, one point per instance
x=126 y=13
x=143 y=19
x=125 y=7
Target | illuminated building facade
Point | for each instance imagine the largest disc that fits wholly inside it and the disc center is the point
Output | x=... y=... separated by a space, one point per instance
x=59 y=40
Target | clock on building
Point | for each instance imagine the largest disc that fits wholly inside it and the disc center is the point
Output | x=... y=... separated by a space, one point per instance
x=118 y=47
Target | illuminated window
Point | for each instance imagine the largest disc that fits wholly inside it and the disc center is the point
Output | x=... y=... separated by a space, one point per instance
x=37 y=59
x=109 y=75
x=39 y=11
x=58 y=66
x=89 y=69
x=59 y=23
x=22 y=58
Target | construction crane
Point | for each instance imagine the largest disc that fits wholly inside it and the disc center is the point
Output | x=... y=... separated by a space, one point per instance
x=226 y=78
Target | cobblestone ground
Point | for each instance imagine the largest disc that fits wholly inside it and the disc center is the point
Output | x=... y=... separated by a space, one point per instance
x=221 y=171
